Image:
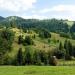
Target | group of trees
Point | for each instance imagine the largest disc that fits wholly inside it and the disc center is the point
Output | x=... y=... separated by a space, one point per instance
x=30 y=57
x=44 y=34
x=6 y=40
x=66 y=51
x=52 y=25
x=66 y=35
x=25 y=41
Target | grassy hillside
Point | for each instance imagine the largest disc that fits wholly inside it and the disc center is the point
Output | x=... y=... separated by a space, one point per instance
x=70 y=23
x=37 y=70
x=39 y=44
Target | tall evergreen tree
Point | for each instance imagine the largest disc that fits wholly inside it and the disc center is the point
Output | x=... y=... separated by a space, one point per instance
x=20 y=39
x=28 y=56
x=60 y=46
x=20 y=57
x=36 y=58
x=68 y=48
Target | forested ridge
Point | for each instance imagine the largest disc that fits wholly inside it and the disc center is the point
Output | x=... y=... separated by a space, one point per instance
x=53 y=25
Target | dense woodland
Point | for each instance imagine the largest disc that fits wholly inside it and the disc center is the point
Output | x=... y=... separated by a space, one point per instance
x=43 y=29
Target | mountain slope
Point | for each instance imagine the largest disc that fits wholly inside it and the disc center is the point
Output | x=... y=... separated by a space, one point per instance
x=52 y=25
x=1 y=18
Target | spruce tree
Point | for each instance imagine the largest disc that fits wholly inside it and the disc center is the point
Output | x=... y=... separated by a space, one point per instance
x=20 y=57
x=28 y=56
x=36 y=58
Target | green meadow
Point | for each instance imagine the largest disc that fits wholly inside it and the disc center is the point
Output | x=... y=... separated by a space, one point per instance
x=37 y=70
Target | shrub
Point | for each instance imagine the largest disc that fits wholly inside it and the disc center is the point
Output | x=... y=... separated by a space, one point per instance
x=44 y=34
x=66 y=35
x=20 y=39
x=53 y=61
x=28 y=41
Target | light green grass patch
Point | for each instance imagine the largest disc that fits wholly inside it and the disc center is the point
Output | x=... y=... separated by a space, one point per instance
x=37 y=70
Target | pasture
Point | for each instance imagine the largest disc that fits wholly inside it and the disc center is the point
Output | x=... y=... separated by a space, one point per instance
x=37 y=70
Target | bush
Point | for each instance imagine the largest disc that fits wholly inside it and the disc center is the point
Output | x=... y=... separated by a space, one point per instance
x=20 y=57
x=36 y=58
x=6 y=40
x=20 y=39
x=53 y=61
x=28 y=41
x=28 y=56
x=66 y=35
x=73 y=36
x=67 y=57
x=59 y=54
x=44 y=34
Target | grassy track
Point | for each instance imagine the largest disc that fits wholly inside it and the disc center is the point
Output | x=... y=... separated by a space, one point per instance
x=37 y=70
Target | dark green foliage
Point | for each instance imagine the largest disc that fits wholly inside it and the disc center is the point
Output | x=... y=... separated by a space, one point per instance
x=49 y=40
x=4 y=45
x=7 y=34
x=69 y=49
x=60 y=46
x=66 y=35
x=28 y=56
x=6 y=40
x=20 y=39
x=25 y=30
x=7 y=60
x=73 y=36
x=59 y=54
x=1 y=58
x=43 y=57
x=28 y=41
x=20 y=57
x=72 y=28
x=44 y=34
x=65 y=44
x=1 y=18
x=52 y=25
x=34 y=36
x=73 y=51
x=36 y=58
x=53 y=61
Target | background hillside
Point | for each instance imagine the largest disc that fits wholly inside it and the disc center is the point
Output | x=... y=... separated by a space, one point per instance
x=52 y=25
